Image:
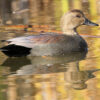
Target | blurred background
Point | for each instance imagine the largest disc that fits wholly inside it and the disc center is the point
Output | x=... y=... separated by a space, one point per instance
x=75 y=77
x=27 y=11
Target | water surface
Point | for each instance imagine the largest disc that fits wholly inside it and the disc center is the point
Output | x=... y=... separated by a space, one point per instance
x=71 y=77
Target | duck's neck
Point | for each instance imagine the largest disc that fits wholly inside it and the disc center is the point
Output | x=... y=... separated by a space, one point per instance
x=70 y=31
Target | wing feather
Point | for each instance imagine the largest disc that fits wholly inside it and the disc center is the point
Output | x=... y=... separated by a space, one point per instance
x=32 y=40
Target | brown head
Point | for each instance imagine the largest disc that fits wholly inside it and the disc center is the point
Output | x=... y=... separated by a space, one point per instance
x=73 y=19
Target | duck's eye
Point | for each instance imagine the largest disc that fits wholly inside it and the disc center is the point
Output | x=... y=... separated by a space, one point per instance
x=78 y=16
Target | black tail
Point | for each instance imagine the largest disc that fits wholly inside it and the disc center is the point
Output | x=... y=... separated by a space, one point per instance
x=15 y=50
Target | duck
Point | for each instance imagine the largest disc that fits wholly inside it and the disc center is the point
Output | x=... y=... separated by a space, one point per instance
x=49 y=43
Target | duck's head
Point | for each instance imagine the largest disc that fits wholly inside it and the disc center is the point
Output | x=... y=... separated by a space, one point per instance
x=73 y=19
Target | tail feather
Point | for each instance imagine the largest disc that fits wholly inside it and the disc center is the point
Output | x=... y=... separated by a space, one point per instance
x=15 y=50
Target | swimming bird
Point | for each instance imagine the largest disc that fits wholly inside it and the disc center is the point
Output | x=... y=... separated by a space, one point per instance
x=51 y=44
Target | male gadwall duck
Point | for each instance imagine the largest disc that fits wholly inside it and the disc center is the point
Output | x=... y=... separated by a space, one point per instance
x=51 y=44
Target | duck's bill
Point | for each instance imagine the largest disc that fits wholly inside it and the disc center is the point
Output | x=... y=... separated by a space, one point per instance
x=88 y=22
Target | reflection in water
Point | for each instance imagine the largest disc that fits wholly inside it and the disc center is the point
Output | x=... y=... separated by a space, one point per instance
x=42 y=65
x=78 y=78
x=49 y=78
x=39 y=77
x=27 y=11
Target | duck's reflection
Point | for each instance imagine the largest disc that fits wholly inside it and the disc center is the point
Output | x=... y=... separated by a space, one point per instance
x=77 y=78
x=46 y=77
x=43 y=65
x=68 y=65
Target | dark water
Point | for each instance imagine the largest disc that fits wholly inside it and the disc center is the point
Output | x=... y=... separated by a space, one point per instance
x=71 y=77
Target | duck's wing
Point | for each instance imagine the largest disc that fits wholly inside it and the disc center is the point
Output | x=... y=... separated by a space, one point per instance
x=32 y=40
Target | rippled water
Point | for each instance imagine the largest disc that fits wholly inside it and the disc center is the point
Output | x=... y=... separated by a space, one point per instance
x=71 y=77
